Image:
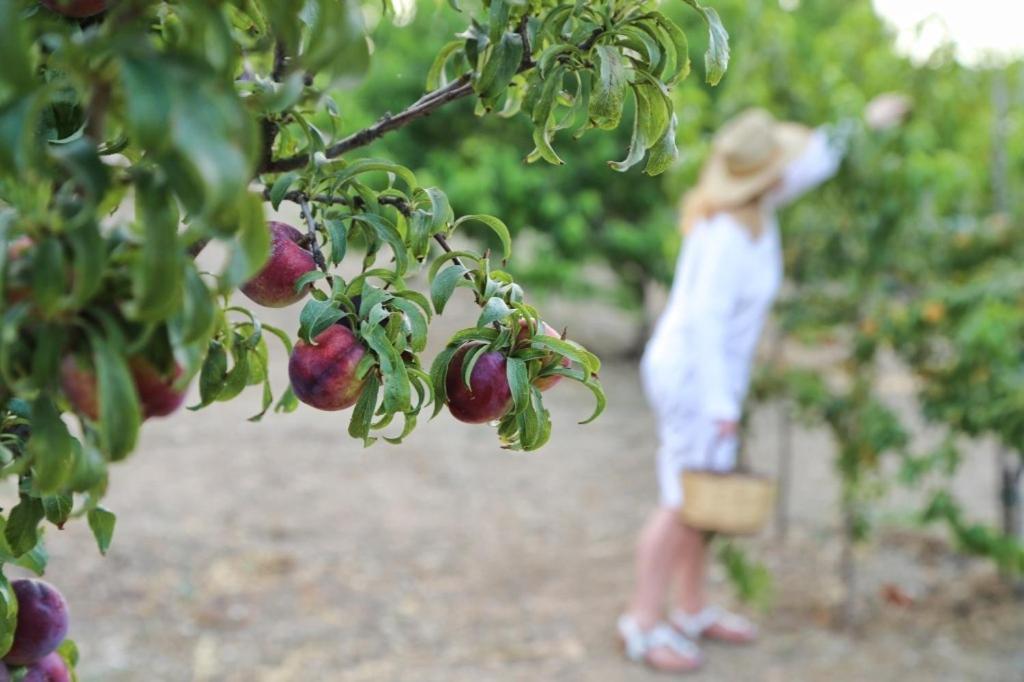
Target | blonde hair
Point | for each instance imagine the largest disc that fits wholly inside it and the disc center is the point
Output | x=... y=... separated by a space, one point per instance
x=696 y=206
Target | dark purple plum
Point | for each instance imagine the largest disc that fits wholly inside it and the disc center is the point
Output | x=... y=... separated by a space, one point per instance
x=324 y=374
x=487 y=397
x=274 y=285
x=42 y=622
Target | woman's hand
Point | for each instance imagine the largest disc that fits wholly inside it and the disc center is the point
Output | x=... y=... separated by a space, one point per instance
x=887 y=110
x=727 y=428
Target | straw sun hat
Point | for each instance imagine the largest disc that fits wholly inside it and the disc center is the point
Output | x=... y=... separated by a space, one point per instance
x=748 y=156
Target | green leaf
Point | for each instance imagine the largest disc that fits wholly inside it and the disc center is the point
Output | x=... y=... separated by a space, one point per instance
x=280 y=188
x=18 y=73
x=716 y=58
x=438 y=374
x=658 y=106
x=397 y=395
x=569 y=349
x=609 y=92
x=638 y=142
x=35 y=559
x=503 y=63
x=193 y=126
x=336 y=41
x=89 y=467
x=588 y=381
x=22 y=530
x=443 y=286
x=417 y=322
x=68 y=650
x=80 y=158
x=196 y=316
x=120 y=414
x=57 y=508
x=237 y=378
x=386 y=231
x=493 y=311
x=518 y=382
x=498 y=18
x=677 y=38
x=89 y=261
x=543 y=124
x=338 y=233
x=664 y=152
x=157 y=275
x=440 y=209
x=48 y=276
x=101 y=522
x=499 y=228
x=316 y=316
x=436 y=71
x=8 y=602
x=375 y=165
x=50 y=446
x=212 y=376
x=362 y=413
x=309 y=278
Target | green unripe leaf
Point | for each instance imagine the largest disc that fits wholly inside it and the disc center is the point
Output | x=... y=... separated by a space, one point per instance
x=50 y=447
x=22 y=529
x=316 y=316
x=102 y=522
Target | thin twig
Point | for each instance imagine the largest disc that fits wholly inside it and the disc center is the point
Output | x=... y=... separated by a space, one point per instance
x=280 y=62
x=440 y=239
x=314 y=246
x=197 y=247
x=521 y=29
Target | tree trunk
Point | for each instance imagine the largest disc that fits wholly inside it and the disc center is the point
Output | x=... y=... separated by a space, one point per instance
x=784 y=447
x=847 y=615
x=1011 y=466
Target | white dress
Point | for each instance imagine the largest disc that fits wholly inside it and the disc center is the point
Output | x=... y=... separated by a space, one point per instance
x=696 y=367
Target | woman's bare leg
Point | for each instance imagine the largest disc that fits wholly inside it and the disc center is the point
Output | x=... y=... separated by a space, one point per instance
x=691 y=590
x=691 y=571
x=657 y=555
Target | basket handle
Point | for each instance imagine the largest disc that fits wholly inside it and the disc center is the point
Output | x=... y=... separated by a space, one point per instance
x=712 y=446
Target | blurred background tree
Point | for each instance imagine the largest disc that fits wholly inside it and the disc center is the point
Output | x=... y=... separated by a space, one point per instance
x=908 y=221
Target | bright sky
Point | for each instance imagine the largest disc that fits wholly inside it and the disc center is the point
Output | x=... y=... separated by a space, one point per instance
x=981 y=29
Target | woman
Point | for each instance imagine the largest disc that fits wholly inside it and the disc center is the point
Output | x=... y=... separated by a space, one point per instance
x=696 y=367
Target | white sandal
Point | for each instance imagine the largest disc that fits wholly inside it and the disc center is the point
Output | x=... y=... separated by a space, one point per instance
x=695 y=626
x=639 y=643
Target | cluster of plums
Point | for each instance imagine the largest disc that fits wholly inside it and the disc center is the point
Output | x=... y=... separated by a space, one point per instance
x=323 y=374
x=156 y=387
x=42 y=626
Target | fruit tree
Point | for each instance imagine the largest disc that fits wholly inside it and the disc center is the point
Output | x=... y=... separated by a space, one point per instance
x=133 y=133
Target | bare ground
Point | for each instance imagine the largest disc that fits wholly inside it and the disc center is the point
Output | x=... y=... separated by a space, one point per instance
x=284 y=552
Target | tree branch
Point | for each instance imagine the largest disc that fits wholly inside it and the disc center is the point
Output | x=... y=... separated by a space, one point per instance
x=426 y=105
x=440 y=239
x=280 y=62
x=314 y=247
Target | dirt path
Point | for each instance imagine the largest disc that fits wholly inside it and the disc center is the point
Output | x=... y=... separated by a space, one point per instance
x=284 y=552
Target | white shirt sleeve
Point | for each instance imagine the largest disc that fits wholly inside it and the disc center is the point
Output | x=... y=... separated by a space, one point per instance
x=818 y=162
x=715 y=290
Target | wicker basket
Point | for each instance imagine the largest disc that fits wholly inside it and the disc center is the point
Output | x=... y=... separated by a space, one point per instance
x=732 y=503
